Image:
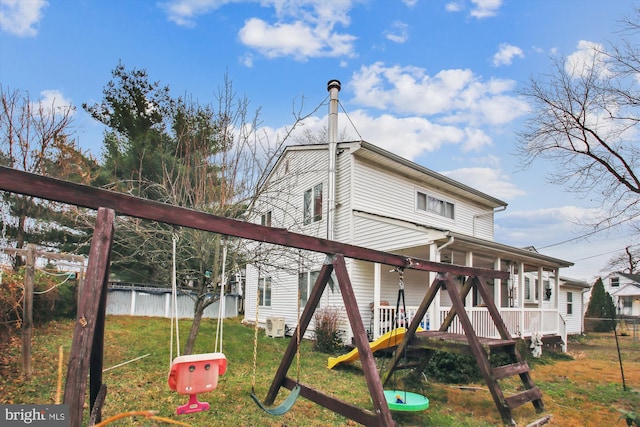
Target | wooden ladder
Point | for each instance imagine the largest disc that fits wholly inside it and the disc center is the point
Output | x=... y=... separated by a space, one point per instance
x=479 y=347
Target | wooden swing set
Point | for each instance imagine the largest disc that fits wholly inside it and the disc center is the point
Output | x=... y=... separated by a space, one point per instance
x=86 y=357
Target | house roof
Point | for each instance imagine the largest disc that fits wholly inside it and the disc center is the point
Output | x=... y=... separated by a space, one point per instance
x=568 y=281
x=373 y=153
x=390 y=161
x=628 y=290
x=506 y=251
x=633 y=277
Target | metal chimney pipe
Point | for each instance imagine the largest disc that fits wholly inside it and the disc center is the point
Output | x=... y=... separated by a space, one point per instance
x=333 y=86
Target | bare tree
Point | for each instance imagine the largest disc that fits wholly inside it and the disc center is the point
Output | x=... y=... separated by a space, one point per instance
x=36 y=137
x=584 y=119
x=626 y=262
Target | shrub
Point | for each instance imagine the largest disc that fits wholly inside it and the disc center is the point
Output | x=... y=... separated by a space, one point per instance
x=328 y=338
x=453 y=368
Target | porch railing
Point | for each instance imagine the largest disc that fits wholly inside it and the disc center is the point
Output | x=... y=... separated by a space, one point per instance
x=520 y=322
x=387 y=316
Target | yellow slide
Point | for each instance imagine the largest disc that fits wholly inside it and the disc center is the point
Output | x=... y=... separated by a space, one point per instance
x=390 y=339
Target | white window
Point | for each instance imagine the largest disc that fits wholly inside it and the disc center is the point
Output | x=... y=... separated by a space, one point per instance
x=265 y=219
x=569 y=303
x=264 y=287
x=614 y=282
x=427 y=203
x=312 y=205
x=527 y=290
x=306 y=280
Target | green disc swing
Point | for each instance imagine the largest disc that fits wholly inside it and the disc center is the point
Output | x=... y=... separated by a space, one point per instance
x=403 y=400
x=288 y=403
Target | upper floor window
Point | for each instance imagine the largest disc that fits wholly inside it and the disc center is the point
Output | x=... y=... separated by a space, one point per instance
x=265 y=219
x=312 y=208
x=434 y=205
x=614 y=282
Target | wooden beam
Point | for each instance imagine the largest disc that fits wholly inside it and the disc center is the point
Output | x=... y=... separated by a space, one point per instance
x=44 y=254
x=372 y=378
x=89 y=197
x=345 y=409
x=303 y=323
x=88 y=317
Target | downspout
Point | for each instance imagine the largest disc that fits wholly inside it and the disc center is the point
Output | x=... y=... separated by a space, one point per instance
x=499 y=209
x=444 y=245
x=333 y=86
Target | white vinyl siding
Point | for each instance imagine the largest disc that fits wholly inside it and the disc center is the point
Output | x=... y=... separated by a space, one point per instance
x=573 y=321
x=393 y=196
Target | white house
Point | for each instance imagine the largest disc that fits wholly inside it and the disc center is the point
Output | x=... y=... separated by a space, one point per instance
x=358 y=193
x=573 y=304
x=624 y=288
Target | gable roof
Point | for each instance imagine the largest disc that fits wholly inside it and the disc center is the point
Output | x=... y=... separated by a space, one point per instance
x=633 y=277
x=628 y=290
x=387 y=160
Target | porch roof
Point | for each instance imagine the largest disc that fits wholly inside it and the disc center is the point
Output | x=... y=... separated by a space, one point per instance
x=629 y=290
x=506 y=252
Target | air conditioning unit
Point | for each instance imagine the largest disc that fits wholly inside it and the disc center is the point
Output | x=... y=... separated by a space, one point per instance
x=274 y=327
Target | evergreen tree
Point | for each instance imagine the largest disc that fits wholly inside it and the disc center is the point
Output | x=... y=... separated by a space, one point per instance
x=600 y=311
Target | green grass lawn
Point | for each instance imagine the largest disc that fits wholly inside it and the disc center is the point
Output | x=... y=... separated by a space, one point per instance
x=142 y=385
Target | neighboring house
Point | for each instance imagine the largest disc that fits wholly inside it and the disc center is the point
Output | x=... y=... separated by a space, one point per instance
x=624 y=288
x=370 y=197
x=572 y=304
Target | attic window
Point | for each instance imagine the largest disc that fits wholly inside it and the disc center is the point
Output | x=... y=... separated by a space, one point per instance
x=427 y=203
x=614 y=282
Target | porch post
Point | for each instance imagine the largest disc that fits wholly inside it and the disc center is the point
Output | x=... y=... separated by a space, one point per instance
x=521 y=292
x=377 y=279
x=434 y=310
x=541 y=299
x=497 y=284
x=468 y=261
x=556 y=289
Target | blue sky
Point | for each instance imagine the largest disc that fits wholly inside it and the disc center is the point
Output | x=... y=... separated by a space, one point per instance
x=433 y=81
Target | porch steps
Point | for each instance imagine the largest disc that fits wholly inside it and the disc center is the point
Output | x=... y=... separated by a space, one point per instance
x=470 y=343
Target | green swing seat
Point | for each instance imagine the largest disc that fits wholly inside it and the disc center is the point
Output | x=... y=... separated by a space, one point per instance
x=282 y=408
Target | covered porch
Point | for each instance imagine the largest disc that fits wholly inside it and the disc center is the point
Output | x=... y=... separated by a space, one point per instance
x=527 y=302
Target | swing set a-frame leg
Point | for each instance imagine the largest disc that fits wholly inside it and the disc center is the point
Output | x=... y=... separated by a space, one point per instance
x=382 y=414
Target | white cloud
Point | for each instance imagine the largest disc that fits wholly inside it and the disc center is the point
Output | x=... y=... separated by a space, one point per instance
x=19 y=17
x=453 y=6
x=301 y=28
x=505 y=54
x=184 y=12
x=491 y=181
x=408 y=137
x=296 y=39
x=53 y=100
x=398 y=32
x=410 y=3
x=454 y=96
x=588 y=57
x=485 y=8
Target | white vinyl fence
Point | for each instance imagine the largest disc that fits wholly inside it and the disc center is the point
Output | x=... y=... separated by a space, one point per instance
x=156 y=302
